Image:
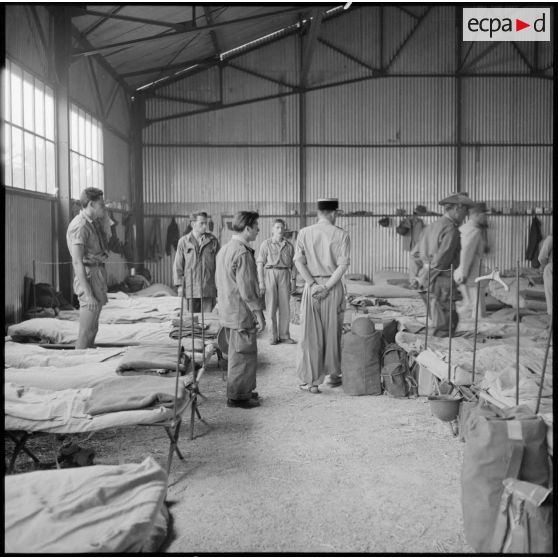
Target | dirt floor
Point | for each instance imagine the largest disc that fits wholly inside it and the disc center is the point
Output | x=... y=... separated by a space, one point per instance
x=317 y=473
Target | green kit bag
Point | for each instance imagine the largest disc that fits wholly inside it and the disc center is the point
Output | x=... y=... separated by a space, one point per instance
x=500 y=444
x=361 y=358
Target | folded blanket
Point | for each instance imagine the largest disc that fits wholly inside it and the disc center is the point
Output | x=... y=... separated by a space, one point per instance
x=149 y=357
x=137 y=392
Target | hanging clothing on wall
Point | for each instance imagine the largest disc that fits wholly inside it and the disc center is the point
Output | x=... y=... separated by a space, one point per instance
x=173 y=236
x=533 y=242
x=414 y=227
x=129 y=237
x=154 y=248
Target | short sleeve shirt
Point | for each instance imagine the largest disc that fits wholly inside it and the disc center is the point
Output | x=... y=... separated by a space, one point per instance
x=86 y=232
x=322 y=248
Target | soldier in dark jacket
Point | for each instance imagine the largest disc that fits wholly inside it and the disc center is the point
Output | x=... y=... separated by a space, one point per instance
x=196 y=253
x=438 y=249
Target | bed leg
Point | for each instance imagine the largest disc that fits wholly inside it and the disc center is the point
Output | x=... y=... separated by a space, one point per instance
x=19 y=446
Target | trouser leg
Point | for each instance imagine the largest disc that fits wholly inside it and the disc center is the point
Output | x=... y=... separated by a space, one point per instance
x=310 y=351
x=88 y=327
x=440 y=307
x=283 y=280
x=242 y=364
x=333 y=310
x=271 y=295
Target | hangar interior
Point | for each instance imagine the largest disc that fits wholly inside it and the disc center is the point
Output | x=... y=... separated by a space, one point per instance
x=171 y=109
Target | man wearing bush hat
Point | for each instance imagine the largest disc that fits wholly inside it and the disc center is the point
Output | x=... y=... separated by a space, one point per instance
x=322 y=256
x=437 y=250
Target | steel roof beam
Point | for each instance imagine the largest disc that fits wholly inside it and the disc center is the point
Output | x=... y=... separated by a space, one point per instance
x=308 y=53
x=523 y=57
x=481 y=55
x=406 y=11
x=408 y=38
x=261 y=76
x=100 y=21
x=95 y=50
x=181 y=100
x=288 y=31
x=212 y=33
x=171 y=68
x=79 y=12
x=102 y=62
x=349 y=56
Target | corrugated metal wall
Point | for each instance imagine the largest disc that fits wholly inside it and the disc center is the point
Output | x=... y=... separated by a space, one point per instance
x=378 y=144
x=28 y=229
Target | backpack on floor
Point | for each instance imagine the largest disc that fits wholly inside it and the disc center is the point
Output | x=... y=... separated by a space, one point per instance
x=396 y=376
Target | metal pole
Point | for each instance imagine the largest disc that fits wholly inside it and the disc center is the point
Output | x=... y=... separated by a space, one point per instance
x=517 y=339
x=179 y=351
x=34 y=290
x=193 y=389
x=201 y=308
x=544 y=368
x=476 y=323
x=450 y=322
x=427 y=306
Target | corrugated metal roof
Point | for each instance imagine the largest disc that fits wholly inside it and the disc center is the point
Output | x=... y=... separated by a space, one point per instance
x=186 y=33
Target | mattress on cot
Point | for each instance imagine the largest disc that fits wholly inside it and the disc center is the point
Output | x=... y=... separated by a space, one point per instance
x=133 y=309
x=26 y=355
x=66 y=411
x=60 y=378
x=55 y=331
x=97 y=509
x=364 y=288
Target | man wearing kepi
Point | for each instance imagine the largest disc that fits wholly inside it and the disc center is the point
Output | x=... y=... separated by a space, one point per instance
x=240 y=309
x=195 y=259
x=275 y=262
x=438 y=249
x=322 y=256
x=89 y=250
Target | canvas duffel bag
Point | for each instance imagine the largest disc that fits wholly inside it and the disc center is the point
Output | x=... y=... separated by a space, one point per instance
x=500 y=444
x=361 y=358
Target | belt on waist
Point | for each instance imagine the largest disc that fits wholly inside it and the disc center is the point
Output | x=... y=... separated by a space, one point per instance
x=276 y=267
x=321 y=276
x=94 y=264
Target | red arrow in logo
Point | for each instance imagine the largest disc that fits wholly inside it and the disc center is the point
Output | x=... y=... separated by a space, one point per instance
x=519 y=25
